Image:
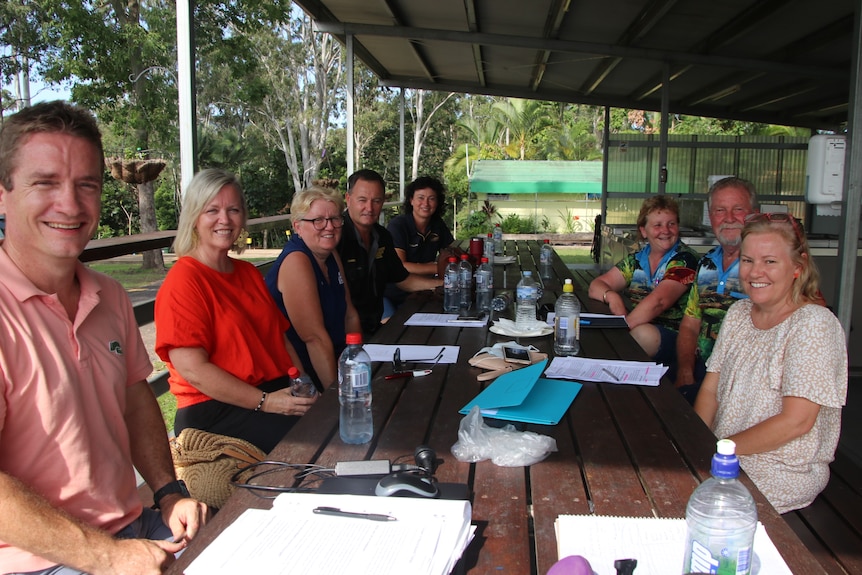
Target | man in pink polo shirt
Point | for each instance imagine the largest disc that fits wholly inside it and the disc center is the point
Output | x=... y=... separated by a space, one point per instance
x=76 y=412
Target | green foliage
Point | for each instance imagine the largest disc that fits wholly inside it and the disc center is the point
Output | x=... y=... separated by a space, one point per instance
x=119 y=215
x=573 y=223
x=167 y=207
x=515 y=224
x=473 y=224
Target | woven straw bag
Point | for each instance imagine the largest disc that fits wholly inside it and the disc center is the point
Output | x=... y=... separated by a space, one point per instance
x=207 y=461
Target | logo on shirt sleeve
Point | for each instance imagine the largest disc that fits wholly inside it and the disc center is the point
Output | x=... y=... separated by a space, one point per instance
x=115 y=347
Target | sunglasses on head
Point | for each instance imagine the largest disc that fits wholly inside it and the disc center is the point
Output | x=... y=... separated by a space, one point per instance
x=779 y=217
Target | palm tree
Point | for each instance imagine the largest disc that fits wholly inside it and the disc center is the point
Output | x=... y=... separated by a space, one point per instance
x=524 y=120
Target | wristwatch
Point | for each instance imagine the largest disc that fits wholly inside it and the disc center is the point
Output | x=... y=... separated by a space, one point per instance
x=178 y=486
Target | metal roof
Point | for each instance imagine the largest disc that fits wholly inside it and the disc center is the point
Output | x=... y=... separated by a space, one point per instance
x=536 y=177
x=773 y=61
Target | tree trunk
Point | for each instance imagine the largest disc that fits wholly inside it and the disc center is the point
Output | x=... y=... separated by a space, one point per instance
x=153 y=259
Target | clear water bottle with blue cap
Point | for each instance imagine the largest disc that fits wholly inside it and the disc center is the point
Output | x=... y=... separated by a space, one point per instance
x=721 y=518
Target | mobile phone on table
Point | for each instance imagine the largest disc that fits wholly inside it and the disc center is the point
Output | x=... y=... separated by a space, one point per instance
x=516 y=355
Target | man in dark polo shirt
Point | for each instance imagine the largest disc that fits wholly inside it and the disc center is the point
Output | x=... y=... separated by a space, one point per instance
x=368 y=254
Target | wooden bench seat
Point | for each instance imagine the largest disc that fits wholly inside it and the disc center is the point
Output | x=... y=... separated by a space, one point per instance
x=831 y=527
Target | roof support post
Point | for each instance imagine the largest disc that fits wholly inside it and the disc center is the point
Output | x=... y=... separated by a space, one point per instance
x=351 y=93
x=606 y=137
x=186 y=92
x=401 y=155
x=851 y=205
x=665 y=114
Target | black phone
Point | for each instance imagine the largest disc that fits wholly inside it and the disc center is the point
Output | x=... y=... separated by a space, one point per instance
x=516 y=355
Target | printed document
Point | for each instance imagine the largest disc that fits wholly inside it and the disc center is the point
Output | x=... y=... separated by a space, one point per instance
x=606 y=370
x=427 y=536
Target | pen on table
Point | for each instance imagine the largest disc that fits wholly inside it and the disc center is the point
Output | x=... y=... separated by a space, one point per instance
x=585 y=322
x=610 y=374
x=339 y=513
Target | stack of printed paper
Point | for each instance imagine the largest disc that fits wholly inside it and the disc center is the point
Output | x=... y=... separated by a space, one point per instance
x=422 y=536
x=657 y=544
x=583 y=369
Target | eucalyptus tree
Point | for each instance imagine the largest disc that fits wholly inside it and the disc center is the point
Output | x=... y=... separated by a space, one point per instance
x=300 y=78
x=26 y=33
x=118 y=57
x=424 y=105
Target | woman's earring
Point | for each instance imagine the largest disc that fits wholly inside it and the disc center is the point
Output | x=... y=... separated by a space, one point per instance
x=240 y=242
x=796 y=274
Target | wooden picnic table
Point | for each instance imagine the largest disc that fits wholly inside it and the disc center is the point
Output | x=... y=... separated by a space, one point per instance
x=622 y=450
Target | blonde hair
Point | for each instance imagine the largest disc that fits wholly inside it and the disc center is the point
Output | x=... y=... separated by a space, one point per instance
x=302 y=201
x=807 y=285
x=205 y=186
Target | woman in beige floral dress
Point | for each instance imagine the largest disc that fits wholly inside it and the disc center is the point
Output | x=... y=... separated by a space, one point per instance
x=777 y=378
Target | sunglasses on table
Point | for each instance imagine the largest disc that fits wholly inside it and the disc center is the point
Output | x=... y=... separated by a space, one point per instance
x=320 y=223
x=779 y=217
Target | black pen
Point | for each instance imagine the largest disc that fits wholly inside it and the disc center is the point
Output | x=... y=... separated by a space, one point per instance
x=339 y=513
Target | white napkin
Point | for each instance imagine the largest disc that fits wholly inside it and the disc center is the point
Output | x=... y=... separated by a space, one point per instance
x=507 y=327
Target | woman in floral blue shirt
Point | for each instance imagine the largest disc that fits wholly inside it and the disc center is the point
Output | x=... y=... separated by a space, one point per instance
x=655 y=279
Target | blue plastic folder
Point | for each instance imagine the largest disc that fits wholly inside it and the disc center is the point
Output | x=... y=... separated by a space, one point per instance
x=523 y=395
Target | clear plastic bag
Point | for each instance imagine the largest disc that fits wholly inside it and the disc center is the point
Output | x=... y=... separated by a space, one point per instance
x=505 y=446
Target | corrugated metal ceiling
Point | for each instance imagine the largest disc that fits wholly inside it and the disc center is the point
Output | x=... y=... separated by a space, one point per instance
x=773 y=61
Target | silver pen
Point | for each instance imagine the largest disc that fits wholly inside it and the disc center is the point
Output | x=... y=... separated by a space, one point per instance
x=610 y=374
x=339 y=513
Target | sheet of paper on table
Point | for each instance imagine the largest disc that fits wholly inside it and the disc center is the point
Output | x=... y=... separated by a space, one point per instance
x=606 y=370
x=657 y=544
x=444 y=320
x=429 y=536
x=411 y=353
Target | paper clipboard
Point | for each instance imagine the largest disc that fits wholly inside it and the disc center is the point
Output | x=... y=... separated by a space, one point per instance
x=523 y=395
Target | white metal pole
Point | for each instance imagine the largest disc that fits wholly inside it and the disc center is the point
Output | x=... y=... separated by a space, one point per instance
x=186 y=92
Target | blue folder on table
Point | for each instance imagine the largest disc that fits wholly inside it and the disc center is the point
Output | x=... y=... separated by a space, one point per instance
x=523 y=395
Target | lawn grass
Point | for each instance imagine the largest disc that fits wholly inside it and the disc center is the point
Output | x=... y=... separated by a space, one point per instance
x=132 y=276
x=168 y=405
x=574 y=254
x=129 y=274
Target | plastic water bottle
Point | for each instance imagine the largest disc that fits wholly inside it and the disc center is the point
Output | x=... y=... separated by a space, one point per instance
x=490 y=248
x=498 y=240
x=465 y=282
x=354 y=392
x=546 y=260
x=567 y=322
x=721 y=519
x=484 y=286
x=300 y=384
x=451 y=287
x=501 y=301
x=525 y=303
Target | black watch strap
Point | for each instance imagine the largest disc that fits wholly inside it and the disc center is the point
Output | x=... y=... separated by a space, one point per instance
x=178 y=486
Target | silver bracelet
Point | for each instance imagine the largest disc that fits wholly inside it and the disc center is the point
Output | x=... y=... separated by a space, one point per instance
x=262 y=399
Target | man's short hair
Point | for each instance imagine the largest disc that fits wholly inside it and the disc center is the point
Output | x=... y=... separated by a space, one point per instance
x=365 y=176
x=46 y=117
x=733 y=182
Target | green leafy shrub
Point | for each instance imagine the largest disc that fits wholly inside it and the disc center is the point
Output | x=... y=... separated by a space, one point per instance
x=472 y=225
x=515 y=224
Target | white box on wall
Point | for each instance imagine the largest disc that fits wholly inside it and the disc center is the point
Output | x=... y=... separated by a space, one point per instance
x=824 y=173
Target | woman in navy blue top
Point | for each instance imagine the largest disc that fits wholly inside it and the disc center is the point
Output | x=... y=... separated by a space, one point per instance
x=307 y=283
